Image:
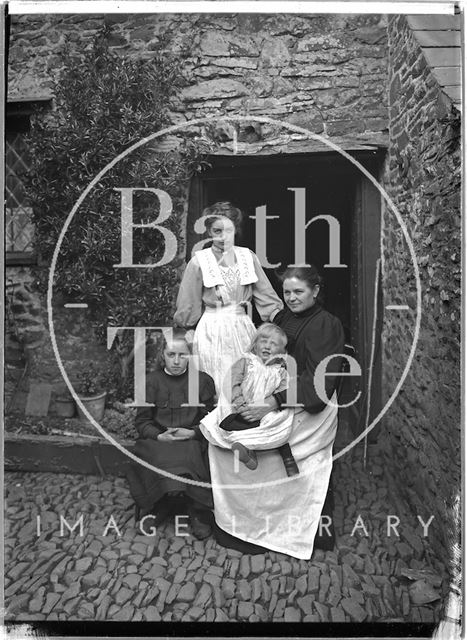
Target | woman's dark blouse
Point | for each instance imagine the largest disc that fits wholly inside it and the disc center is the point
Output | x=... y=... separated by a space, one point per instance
x=312 y=336
x=168 y=393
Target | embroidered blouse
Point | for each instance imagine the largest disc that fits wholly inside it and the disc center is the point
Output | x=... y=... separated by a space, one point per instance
x=204 y=285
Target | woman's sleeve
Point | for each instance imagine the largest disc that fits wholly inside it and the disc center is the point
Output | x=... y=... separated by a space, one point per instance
x=320 y=342
x=207 y=394
x=189 y=305
x=145 y=422
x=266 y=300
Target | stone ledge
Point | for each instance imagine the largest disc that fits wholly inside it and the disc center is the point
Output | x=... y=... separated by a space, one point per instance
x=61 y=454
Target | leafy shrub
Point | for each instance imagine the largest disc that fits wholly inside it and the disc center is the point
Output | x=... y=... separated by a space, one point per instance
x=104 y=103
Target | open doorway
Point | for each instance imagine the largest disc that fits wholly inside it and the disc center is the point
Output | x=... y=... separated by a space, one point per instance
x=332 y=186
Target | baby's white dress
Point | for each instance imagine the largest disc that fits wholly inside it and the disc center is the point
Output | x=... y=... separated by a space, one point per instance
x=260 y=381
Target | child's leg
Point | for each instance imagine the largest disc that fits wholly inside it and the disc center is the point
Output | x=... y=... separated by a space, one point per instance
x=288 y=459
x=245 y=455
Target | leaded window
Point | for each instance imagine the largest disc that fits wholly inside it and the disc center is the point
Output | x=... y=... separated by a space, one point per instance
x=19 y=227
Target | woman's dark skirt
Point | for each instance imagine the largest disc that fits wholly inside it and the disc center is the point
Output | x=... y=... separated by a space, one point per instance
x=186 y=458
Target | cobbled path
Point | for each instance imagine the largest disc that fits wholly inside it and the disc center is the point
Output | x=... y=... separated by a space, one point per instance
x=172 y=578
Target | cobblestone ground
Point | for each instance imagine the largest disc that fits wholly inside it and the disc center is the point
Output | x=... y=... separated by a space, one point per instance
x=172 y=578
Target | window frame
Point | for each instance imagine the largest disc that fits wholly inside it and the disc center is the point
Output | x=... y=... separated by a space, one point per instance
x=17 y=118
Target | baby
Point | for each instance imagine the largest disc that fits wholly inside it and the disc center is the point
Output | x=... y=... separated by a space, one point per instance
x=258 y=374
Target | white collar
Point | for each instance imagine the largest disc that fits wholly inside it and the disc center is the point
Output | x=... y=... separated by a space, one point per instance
x=211 y=272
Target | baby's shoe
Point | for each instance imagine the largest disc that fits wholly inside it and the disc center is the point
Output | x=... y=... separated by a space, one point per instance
x=246 y=456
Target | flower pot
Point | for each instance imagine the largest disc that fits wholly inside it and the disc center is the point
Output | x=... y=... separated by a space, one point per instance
x=65 y=406
x=95 y=405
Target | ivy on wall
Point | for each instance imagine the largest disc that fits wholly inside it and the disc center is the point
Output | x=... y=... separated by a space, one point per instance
x=104 y=103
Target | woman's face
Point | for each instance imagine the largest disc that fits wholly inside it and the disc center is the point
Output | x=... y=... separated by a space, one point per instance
x=176 y=355
x=222 y=232
x=297 y=294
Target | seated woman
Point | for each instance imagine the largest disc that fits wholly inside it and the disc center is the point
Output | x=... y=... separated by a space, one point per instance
x=260 y=506
x=171 y=441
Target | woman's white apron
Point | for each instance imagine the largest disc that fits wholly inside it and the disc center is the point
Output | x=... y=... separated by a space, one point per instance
x=224 y=333
x=222 y=336
x=264 y=506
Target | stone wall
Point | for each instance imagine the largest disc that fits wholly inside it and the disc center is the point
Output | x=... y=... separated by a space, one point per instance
x=24 y=319
x=28 y=345
x=421 y=439
x=327 y=73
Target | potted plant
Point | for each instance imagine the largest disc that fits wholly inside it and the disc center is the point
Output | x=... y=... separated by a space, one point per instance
x=65 y=405
x=91 y=391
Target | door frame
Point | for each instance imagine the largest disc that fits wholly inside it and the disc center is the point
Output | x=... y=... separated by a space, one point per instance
x=366 y=303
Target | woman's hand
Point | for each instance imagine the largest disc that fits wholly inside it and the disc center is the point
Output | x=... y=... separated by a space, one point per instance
x=254 y=412
x=173 y=435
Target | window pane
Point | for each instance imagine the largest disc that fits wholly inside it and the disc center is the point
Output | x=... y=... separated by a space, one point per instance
x=19 y=231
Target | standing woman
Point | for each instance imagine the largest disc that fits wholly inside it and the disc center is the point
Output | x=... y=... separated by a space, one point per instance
x=260 y=506
x=216 y=288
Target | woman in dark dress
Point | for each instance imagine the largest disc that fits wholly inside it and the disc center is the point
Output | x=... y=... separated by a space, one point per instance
x=313 y=335
x=170 y=440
